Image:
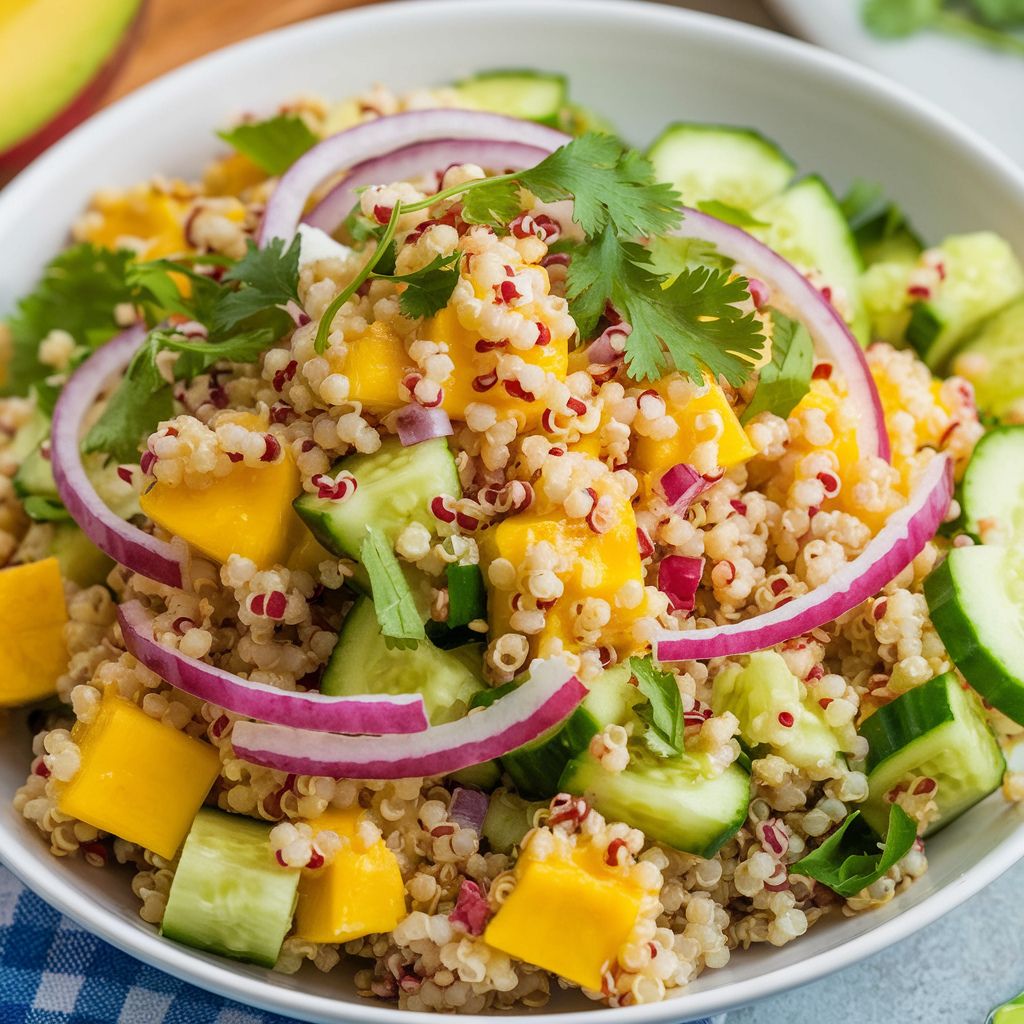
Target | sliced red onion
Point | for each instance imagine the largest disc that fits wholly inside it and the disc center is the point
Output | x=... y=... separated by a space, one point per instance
x=828 y=329
x=383 y=136
x=378 y=715
x=415 y=160
x=414 y=424
x=126 y=544
x=545 y=699
x=891 y=551
x=609 y=345
x=679 y=577
x=468 y=808
x=682 y=485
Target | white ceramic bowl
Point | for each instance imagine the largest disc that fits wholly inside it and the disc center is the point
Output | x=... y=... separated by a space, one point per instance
x=643 y=66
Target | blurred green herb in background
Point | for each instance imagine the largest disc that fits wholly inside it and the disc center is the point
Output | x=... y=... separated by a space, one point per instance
x=985 y=21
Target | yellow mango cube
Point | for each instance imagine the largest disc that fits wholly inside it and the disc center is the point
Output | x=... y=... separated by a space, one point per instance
x=33 y=653
x=569 y=914
x=139 y=779
x=231 y=175
x=248 y=512
x=307 y=552
x=375 y=364
x=656 y=456
x=470 y=364
x=143 y=217
x=359 y=893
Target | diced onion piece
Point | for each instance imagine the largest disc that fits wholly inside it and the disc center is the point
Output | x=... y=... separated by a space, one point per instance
x=468 y=808
x=414 y=424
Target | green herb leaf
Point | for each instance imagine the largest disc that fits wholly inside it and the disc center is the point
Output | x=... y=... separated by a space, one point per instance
x=156 y=284
x=273 y=145
x=730 y=214
x=591 y=279
x=494 y=201
x=1000 y=12
x=360 y=228
x=428 y=289
x=77 y=293
x=392 y=599
x=663 y=712
x=872 y=216
x=783 y=381
x=268 y=279
x=41 y=509
x=894 y=19
x=841 y=863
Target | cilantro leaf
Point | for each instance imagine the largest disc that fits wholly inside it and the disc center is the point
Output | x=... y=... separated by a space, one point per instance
x=783 y=381
x=893 y=19
x=663 y=712
x=591 y=280
x=841 y=862
x=158 y=284
x=77 y=293
x=360 y=228
x=428 y=289
x=273 y=145
x=494 y=201
x=269 y=279
x=730 y=214
x=392 y=599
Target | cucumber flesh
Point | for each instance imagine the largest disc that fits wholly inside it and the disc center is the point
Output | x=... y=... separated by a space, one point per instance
x=80 y=560
x=35 y=477
x=677 y=800
x=529 y=95
x=395 y=486
x=937 y=730
x=993 y=485
x=507 y=820
x=229 y=895
x=807 y=227
x=976 y=601
x=485 y=776
x=982 y=275
x=29 y=436
x=736 y=166
x=362 y=663
x=993 y=361
x=537 y=767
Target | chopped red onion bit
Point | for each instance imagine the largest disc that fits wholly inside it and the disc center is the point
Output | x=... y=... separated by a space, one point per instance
x=415 y=423
x=468 y=808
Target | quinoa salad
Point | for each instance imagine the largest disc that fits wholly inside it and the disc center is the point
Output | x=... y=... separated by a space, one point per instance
x=452 y=547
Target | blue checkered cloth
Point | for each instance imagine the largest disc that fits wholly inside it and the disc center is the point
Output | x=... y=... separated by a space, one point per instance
x=53 y=972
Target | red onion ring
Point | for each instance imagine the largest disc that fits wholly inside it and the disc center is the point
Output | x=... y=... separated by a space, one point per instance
x=379 y=715
x=412 y=161
x=545 y=699
x=126 y=544
x=818 y=315
x=889 y=552
x=384 y=136
x=414 y=424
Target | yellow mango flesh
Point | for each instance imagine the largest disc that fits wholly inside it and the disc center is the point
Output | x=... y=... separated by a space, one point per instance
x=657 y=456
x=567 y=914
x=375 y=364
x=139 y=779
x=232 y=175
x=248 y=512
x=141 y=213
x=470 y=364
x=307 y=552
x=359 y=893
x=33 y=653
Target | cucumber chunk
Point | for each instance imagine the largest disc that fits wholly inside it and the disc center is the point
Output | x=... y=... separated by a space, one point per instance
x=761 y=694
x=982 y=275
x=937 y=730
x=395 y=486
x=80 y=560
x=529 y=95
x=677 y=800
x=34 y=477
x=507 y=820
x=485 y=776
x=993 y=361
x=976 y=601
x=229 y=895
x=737 y=166
x=807 y=227
x=993 y=485
x=537 y=767
x=362 y=663
x=29 y=436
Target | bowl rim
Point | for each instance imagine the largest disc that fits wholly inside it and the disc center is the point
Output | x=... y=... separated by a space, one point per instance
x=60 y=891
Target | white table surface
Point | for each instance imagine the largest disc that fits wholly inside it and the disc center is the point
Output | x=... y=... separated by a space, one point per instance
x=952 y=972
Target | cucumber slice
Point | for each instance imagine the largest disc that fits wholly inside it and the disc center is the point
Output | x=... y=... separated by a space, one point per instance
x=395 y=486
x=982 y=275
x=530 y=95
x=508 y=819
x=80 y=560
x=362 y=663
x=537 y=767
x=976 y=601
x=467 y=596
x=993 y=361
x=936 y=730
x=761 y=694
x=993 y=484
x=808 y=228
x=229 y=895
x=737 y=166
x=884 y=291
x=485 y=776
x=578 y=120
x=34 y=477
x=901 y=247
x=673 y=800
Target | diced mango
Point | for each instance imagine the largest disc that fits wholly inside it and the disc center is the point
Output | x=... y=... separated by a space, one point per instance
x=375 y=364
x=657 y=456
x=359 y=893
x=143 y=214
x=232 y=175
x=827 y=396
x=307 y=552
x=33 y=653
x=569 y=914
x=248 y=512
x=139 y=779
x=590 y=565
x=470 y=364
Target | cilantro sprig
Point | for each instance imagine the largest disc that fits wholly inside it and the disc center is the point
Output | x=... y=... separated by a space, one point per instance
x=393 y=603
x=983 y=21
x=663 y=711
x=273 y=145
x=786 y=377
